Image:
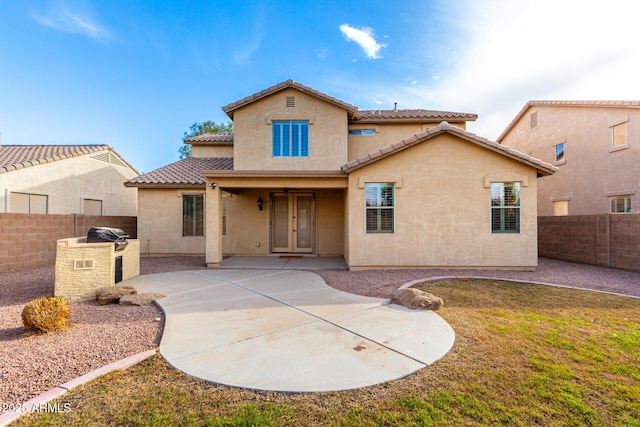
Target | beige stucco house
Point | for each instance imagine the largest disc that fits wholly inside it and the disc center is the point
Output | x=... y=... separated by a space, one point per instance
x=594 y=144
x=307 y=174
x=66 y=179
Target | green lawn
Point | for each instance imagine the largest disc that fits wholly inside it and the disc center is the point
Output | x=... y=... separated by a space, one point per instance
x=525 y=355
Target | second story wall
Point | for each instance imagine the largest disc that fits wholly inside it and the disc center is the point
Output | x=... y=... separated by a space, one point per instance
x=580 y=142
x=374 y=136
x=327 y=133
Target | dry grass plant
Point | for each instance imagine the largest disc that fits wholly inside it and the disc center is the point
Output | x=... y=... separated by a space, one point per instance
x=46 y=314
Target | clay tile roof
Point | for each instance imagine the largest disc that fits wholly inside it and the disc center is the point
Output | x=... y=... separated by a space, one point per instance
x=230 y=108
x=419 y=114
x=14 y=157
x=181 y=173
x=591 y=104
x=212 y=137
x=542 y=167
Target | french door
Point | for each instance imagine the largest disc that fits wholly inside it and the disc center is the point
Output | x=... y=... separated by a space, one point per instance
x=292 y=222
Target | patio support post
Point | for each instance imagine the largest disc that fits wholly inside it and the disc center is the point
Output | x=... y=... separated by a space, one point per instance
x=213 y=225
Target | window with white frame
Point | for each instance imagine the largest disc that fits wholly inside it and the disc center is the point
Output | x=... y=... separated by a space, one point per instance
x=559 y=151
x=505 y=207
x=192 y=215
x=29 y=203
x=619 y=135
x=362 y=132
x=290 y=138
x=379 y=206
x=621 y=204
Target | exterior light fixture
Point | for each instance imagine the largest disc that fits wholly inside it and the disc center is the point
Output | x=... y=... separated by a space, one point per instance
x=260 y=201
x=213 y=185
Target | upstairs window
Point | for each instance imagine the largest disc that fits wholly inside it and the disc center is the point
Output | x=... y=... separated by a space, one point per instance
x=29 y=203
x=559 y=153
x=505 y=207
x=362 y=132
x=621 y=204
x=619 y=135
x=193 y=215
x=379 y=207
x=290 y=139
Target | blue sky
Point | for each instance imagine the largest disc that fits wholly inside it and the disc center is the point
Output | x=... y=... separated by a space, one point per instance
x=136 y=74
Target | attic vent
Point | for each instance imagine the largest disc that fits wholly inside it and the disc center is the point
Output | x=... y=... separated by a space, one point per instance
x=108 y=157
x=534 y=120
x=291 y=101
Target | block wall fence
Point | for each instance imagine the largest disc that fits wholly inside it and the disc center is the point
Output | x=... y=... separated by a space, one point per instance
x=29 y=240
x=608 y=240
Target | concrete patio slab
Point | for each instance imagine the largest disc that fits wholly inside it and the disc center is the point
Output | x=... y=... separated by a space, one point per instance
x=289 y=331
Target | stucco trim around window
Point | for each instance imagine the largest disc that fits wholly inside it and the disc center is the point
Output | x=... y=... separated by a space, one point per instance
x=290 y=116
x=395 y=179
x=506 y=177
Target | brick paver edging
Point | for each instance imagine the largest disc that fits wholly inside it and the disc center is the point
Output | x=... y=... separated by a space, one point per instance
x=39 y=403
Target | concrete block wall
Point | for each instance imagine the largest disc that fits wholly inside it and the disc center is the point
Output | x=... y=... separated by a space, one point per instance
x=29 y=240
x=609 y=240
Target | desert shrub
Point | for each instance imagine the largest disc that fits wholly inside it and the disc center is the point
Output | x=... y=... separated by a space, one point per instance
x=46 y=314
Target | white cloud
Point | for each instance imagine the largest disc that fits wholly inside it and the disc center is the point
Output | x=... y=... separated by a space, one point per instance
x=72 y=22
x=364 y=38
x=503 y=54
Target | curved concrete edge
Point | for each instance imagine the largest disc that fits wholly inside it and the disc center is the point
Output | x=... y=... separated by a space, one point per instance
x=39 y=403
x=526 y=282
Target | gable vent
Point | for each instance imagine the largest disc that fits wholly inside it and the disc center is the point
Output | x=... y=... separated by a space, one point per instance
x=108 y=157
x=291 y=101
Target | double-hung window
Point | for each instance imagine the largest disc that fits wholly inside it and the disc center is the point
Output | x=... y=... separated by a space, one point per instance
x=193 y=215
x=380 y=202
x=290 y=139
x=505 y=207
x=621 y=204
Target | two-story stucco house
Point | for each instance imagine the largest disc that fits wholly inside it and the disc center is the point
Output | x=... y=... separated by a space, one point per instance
x=65 y=179
x=595 y=145
x=305 y=173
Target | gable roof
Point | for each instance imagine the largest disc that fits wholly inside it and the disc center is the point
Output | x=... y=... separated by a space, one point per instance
x=185 y=172
x=591 y=104
x=372 y=116
x=444 y=127
x=217 y=138
x=13 y=157
x=230 y=108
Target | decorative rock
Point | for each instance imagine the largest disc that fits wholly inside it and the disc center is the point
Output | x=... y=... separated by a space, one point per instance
x=112 y=294
x=416 y=299
x=140 y=299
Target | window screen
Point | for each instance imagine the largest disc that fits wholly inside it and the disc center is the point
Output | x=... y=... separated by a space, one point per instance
x=505 y=207
x=380 y=202
x=193 y=215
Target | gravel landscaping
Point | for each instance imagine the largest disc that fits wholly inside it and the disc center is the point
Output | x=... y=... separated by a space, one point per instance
x=33 y=363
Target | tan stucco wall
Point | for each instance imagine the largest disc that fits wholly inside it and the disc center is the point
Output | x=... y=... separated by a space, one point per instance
x=160 y=223
x=253 y=133
x=212 y=151
x=66 y=182
x=442 y=211
x=73 y=280
x=593 y=171
x=386 y=134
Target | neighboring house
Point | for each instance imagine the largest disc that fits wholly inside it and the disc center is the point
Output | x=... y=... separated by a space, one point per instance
x=305 y=173
x=65 y=179
x=595 y=145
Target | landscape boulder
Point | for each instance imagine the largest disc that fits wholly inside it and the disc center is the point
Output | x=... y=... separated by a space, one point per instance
x=416 y=299
x=140 y=299
x=112 y=294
